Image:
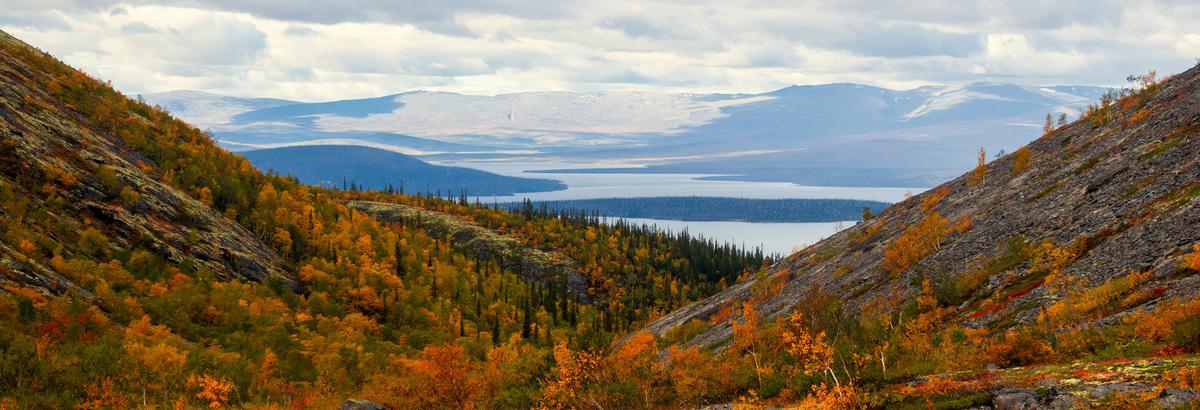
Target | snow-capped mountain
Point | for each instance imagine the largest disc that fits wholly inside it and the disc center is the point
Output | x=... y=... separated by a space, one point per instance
x=817 y=124
x=207 y=109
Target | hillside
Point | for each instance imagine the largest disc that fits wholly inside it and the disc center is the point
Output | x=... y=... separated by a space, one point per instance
x=141 y=265
x=63 y=181
x=378 y=169
x=1081 y=246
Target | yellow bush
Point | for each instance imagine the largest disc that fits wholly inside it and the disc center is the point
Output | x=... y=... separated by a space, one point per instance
x=1193 y=260
x=1074 y=307
x=1021 y=159
x=915 y=243
x=1159 y=324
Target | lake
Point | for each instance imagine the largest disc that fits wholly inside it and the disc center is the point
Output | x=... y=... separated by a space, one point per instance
x=779 y=238
x=589 y=186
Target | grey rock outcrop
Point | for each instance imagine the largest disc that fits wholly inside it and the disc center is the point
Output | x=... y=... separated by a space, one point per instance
x=360 y=404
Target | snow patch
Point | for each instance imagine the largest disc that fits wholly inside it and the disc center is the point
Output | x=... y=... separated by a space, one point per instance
x=553 y=116
x=942 y=100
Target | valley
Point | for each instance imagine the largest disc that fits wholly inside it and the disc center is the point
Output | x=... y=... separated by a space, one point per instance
x=377 y=205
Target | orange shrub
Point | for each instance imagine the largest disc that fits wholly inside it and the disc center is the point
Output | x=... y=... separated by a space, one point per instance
x=808 y=347
x=980 y=169
x=934 y=197
x=962 y=225
x=574 y=371
x=824 y=397
x=1077 y=306
x=1052 y=260
x=1159 y=324
x=915 y=243
x=1018 y=348
x=1142 y=114
x=1184 y=378
x=213 y=390
x=692 y=373
x=1021 y=159
x=1193 y=260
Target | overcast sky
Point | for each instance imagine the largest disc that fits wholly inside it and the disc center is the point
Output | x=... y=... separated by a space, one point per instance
x=319 y=50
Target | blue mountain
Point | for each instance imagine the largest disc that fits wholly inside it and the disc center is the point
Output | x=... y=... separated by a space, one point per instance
x=373 y=168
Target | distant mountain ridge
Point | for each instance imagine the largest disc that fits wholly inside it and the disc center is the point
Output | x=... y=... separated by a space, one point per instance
x=373 y=168
x=579 y=113
x=863 y=135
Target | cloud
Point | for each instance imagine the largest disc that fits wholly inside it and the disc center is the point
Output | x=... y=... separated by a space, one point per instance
x=202 y=39
x=138 y=27
x=1012 y=54
x=34 y=19
x=435 y=16
x=320 y=49
x=908 y=40
x=299 y=31
x=633 y=26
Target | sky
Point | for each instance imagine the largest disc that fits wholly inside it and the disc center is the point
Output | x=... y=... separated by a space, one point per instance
x=312 y=50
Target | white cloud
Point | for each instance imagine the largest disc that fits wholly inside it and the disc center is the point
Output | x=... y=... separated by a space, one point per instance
x=317 y=50
x=1012 y=54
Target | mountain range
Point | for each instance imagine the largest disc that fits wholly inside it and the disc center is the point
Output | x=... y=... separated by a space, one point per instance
x=831 y=134
x=373 y=168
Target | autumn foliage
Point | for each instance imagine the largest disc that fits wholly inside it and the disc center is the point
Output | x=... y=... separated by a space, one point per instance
x=1193 y=261
x=387 y=311
x=980 y=170
x=915 y=243
x=1020 y=160
x=379 y=309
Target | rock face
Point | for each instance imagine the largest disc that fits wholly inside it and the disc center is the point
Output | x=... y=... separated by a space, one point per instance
x=359 y=404
x=97 y=181
x=510 y=253
x=1016 y=400
x=1122 y=188
x=1173 y=398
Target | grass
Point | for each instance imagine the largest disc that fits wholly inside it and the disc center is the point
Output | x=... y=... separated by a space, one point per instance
x=1177 y=197
x=948 y=401
x=1045 y=191
x=1089 y=164
x=1172 y=139
x=1139 y=186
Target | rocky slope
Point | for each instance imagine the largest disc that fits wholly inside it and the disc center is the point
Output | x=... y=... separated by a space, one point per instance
x=72 y=176
x=1110 y=194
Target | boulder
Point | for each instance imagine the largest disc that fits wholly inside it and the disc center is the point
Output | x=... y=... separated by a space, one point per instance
x=360 y=404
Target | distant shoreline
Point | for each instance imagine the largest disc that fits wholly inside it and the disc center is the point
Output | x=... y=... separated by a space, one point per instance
x=714 y=209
